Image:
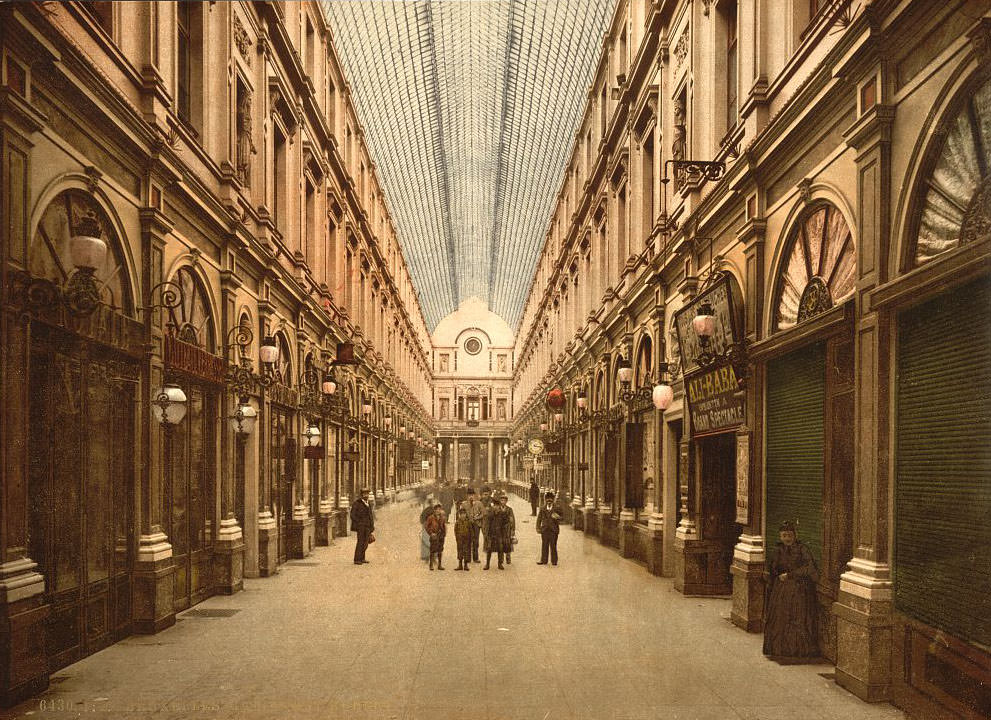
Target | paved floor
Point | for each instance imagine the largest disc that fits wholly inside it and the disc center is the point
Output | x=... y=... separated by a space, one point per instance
x=596 y=637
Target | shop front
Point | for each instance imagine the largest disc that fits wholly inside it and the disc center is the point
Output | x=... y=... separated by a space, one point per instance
x=79 y=418
x=709 y=338
x=807 y=367
x=190 y=448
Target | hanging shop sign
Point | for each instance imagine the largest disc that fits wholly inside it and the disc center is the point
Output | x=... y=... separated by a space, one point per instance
x=313 y=452
x=193 y=360
x=425 y=464
x=743 y=476
x=725 y=333
x=715 y=402
x=535 y=446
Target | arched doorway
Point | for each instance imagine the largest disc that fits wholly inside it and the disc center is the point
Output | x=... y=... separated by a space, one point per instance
x=82 y=392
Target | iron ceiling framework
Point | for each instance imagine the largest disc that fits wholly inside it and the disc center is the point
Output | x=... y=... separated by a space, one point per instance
x=470 y=109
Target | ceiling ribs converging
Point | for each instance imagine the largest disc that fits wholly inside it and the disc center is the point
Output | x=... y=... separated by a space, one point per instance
x=470 y=109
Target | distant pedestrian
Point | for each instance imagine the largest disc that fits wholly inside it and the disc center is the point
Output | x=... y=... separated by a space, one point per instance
x=462 y=535
x=504 y=500
x=427 y=511
x=475 y=513
x=446 y=497
x=497 y=533
x=363 y=524
x=549 y=525
x=437 y=530
x=534 y=496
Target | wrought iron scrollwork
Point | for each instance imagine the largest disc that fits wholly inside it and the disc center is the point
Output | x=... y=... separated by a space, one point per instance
x=690 y=171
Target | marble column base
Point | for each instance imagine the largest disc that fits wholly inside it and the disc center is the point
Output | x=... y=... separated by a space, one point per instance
x=153 y=595
x=302 y=533
x=608 y=528
x=627 y=535
x=748 y=583
x=578 y=515
x=655 y=545
x=268 y=544
x=863 y=612
x=23 y=619
x=591 y=519
x=324 y=526
x=228 y=558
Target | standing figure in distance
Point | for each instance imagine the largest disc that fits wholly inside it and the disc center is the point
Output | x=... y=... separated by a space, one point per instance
x=549 y=525
x=362 y=523
x=425 y=513
x=534 y=496
x=791 y=629
x=437 y=530
x=475 y=512
x=462 y=535
x=496 y=533
x=511 y=524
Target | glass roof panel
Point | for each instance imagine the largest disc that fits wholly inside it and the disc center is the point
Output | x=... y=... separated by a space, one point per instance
x=470 y=109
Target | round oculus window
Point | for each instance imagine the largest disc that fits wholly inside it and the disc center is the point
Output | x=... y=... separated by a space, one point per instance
x=473 y=346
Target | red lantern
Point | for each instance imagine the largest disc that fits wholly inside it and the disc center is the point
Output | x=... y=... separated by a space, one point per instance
x=556 y=399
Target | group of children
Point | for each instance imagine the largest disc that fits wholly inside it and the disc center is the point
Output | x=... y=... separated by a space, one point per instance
x=497 y=525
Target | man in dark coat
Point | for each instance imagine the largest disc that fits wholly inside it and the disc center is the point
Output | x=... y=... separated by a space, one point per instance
x=534 y=496
x=549 y=525
x=362 y=523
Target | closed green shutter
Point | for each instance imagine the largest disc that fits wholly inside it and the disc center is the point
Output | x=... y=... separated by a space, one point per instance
x=943 y=463
x=796 y=390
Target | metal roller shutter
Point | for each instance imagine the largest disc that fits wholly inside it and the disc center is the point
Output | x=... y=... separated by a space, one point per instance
x=943 y=463
x=796 y=390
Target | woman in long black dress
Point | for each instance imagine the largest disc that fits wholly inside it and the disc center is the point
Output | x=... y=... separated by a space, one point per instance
x=791 y=626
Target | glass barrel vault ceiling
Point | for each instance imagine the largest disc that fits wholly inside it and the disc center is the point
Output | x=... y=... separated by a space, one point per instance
x=470 y=109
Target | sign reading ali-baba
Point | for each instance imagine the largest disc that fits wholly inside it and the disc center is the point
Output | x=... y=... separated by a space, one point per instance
x=715 y=400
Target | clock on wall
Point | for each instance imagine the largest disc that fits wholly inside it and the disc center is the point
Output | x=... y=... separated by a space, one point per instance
x=473 y=346
x=535 y=446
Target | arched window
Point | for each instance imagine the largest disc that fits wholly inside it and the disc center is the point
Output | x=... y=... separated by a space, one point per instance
x=642 y=369
x=194 y=322
x=957 y=206
x=284 y=366
x=818 y=270
x=49 y=256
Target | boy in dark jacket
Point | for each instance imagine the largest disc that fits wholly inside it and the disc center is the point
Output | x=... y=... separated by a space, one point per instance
x=462 y=534
x=437 y=530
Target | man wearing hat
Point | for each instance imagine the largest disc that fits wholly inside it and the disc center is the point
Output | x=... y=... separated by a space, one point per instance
x=362 y=523
x=549 y=525
x=504 y=501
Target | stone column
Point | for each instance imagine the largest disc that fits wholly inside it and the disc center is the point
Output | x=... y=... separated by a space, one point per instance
x=627 y=529
x=655 y=523
x=153 y=568
x=23 y=612
x=268 y=527
x=864 y=604
x=228 y=565
x=456 y=460
x=747 y=567
x=490 y=461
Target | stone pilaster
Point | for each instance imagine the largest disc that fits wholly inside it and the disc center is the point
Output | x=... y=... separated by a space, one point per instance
x=655 y=543
x=864 y=603
x=627 y=533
